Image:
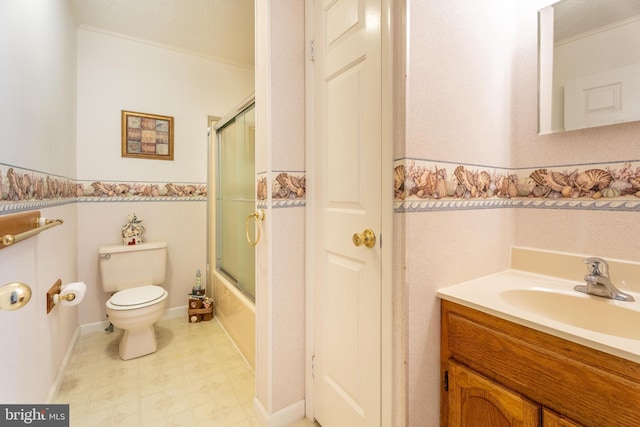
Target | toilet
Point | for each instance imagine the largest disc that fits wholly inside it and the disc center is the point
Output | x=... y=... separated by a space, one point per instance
x=133 y=273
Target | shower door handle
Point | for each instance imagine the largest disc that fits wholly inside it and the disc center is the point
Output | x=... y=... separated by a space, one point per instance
x=257 y=216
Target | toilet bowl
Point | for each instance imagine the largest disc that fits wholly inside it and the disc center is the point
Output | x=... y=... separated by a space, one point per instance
x=135 y=310
x=133 y=273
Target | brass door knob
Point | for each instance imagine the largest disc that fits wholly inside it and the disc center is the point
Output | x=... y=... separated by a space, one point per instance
x=367 y=238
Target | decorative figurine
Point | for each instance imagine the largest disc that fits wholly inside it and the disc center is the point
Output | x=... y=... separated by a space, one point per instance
x=132 y=231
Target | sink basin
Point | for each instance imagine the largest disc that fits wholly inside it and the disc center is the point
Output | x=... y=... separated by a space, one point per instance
x=550 y=305
x=572 y=308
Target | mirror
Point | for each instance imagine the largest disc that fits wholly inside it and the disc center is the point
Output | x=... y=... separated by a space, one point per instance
x=14 y=296
x=588 y=64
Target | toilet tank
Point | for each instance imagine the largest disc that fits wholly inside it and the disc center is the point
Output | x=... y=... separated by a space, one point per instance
x=123 y=267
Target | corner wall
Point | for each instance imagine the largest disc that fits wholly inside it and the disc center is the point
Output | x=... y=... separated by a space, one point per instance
x=280 y=160
x=606 y=232
x=115 y=74
x=458 y=110
x=38 y=118
x=472 y=101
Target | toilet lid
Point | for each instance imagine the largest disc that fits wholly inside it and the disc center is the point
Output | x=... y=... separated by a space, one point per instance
x=140 y=295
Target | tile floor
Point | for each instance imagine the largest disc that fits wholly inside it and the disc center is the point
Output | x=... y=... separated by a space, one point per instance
x=196 y=378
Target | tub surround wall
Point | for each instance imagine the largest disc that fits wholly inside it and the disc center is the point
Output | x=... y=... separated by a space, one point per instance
x=237 y=314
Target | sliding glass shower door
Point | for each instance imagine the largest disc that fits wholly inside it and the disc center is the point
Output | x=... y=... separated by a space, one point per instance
x=235 y=199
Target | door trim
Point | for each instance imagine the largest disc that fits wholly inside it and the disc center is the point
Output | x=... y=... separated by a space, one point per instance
x=386 y=231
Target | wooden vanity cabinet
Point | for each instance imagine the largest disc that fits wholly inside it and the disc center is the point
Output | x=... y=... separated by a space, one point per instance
x=497 y=373
x=475 y=400
x=551 y=419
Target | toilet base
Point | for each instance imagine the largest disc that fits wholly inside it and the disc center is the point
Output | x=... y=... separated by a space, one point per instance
x=137 y=343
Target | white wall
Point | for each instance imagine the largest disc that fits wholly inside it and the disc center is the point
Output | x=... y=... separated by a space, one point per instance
x=280 y=142
x=601 y=233
x=54 y=77
x=117 y=74
x=459 y=81
x=38 y=86
x=471 y=98
x=181 y=224
x=37 y=115
x=458 y=109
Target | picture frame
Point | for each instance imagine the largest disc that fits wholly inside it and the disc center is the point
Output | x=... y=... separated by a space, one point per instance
x=147 y=136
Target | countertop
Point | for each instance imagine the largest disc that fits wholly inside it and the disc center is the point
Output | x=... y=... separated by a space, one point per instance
x=489 y=294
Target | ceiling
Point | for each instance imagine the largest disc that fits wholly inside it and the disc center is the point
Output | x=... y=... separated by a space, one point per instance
x=573 y=17
x=222 y=30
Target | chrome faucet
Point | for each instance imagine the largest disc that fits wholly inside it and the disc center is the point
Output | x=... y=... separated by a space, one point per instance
x=599 y=282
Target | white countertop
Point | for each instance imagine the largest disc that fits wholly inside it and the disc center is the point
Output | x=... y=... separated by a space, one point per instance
x=488 y=294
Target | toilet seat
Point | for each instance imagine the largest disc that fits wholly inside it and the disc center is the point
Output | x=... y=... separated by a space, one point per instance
x=139 y=297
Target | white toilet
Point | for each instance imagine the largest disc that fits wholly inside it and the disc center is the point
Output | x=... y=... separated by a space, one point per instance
x=133 y=273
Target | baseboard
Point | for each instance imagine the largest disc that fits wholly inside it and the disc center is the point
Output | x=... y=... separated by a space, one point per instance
x=53 y=390
x=174 y=312
x=171 y=313
x=282 y=418
x=89 y=328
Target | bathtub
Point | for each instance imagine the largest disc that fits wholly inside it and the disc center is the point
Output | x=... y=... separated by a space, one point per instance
x=237 y=315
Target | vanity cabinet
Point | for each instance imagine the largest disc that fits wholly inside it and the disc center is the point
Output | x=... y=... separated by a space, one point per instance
x=473 y=398
x=551 y=419
x=499 y=373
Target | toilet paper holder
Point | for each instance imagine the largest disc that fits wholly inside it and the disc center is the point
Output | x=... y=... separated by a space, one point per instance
x=56 y=294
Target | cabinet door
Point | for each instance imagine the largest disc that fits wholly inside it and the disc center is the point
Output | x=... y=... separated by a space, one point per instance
x=551 y=419
x=475 y=401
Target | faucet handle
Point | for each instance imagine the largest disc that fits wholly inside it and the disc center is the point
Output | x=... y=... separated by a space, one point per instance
x=597 y=266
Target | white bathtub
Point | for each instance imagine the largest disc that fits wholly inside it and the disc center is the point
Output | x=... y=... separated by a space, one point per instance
x=237 y=314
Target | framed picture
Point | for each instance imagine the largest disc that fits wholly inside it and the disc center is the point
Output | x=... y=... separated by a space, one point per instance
x=147 y=136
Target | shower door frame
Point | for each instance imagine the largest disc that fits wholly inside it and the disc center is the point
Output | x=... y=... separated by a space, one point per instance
x=232 y=118
x=235 y=312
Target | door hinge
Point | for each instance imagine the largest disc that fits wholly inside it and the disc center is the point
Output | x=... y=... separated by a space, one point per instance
x=311 y=51
x=446 y=380
x=313 y=366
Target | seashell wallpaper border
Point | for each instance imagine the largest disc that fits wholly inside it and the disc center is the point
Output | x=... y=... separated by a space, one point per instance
x=288 y=189
x=25 y=189
x=419 y=186
x=426 y=185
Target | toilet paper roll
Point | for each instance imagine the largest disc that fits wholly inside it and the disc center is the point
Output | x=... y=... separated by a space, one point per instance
x=79 y=289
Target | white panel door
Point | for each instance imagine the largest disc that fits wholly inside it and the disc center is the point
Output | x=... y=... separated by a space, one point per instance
x=347 y=163
x=604 y=98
